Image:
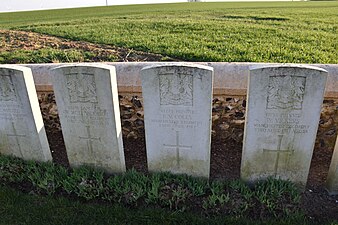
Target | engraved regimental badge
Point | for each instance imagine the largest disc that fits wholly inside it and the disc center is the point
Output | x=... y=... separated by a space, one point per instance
x=286 y=92
x=7 y=90
x=81 y=87
x=176 y=89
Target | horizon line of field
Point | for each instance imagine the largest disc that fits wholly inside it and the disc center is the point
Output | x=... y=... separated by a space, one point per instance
x=20 y=6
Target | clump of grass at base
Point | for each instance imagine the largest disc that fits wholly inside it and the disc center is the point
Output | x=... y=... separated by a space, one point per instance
x=128 y=188
x=273 y=196
x=269 y=199
x=12 y=170
x=85 y=182
x=20 y=208
x=45 y=178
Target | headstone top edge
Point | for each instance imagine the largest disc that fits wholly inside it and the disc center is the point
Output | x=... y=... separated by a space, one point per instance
x=22 y=69
x=187 y=65
x=82 y=65
x=292 y=66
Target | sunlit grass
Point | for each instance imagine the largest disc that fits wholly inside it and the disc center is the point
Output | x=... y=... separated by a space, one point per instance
x=290 y=32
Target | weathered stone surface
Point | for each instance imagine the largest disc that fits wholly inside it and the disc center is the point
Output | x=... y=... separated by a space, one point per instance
x=22 y=132
x=332 y=178
x=230 y=79
x=282 y=117
x=177 y=113
x=88 y=107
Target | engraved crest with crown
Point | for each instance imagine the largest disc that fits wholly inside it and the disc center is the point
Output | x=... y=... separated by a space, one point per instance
x=7 y=90
x=286 y=92
x=176 y=89
x=81 y=87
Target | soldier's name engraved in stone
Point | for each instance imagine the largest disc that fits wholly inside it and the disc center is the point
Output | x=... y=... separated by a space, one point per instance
x=283 y=115
x=286 y=92
x=81 y=87
x=177 y=118
x=293 y=118
x=176 y=89
x=12 y=116
x=7 y=90
x=281 y=123
x=86 y=114
x=10 y=111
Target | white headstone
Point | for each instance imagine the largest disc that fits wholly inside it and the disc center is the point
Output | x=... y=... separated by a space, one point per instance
x=177 y=111
x=87 y=101
x=332 y=178
x=283 y=110
x=22 y=132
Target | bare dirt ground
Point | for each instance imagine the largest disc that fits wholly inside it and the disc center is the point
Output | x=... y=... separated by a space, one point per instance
x=227 y=130
x=11 y=41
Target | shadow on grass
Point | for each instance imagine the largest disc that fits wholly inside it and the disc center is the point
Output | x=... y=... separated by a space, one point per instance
x=20 y=208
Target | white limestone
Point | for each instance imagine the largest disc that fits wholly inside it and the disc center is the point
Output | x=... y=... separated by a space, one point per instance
x=87 y=101
x=177 y=111
x=332 y=178
x=282 y=117
x=230 y=79
x=22 y=131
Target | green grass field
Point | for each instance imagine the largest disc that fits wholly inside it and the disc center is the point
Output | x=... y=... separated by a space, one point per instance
x=290 y=32
x=56 y=195
x=20 y=208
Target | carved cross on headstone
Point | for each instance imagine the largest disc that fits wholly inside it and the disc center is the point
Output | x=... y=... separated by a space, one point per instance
x=16 y=136
x=278 y=151
x=90 y=140
x=177 y=147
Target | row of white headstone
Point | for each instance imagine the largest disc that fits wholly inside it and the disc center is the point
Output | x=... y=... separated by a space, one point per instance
x=284 y=104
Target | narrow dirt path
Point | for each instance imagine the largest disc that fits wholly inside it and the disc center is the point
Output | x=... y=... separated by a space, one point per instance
x=11 y=41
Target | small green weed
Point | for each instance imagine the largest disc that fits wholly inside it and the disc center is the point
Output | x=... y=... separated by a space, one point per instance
x=197 y=186
x=47 y=177
x=272 y=195
x=153 y=194
x=12 y=170
x=85 y=182
x=134 y=186
x=269 y=199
